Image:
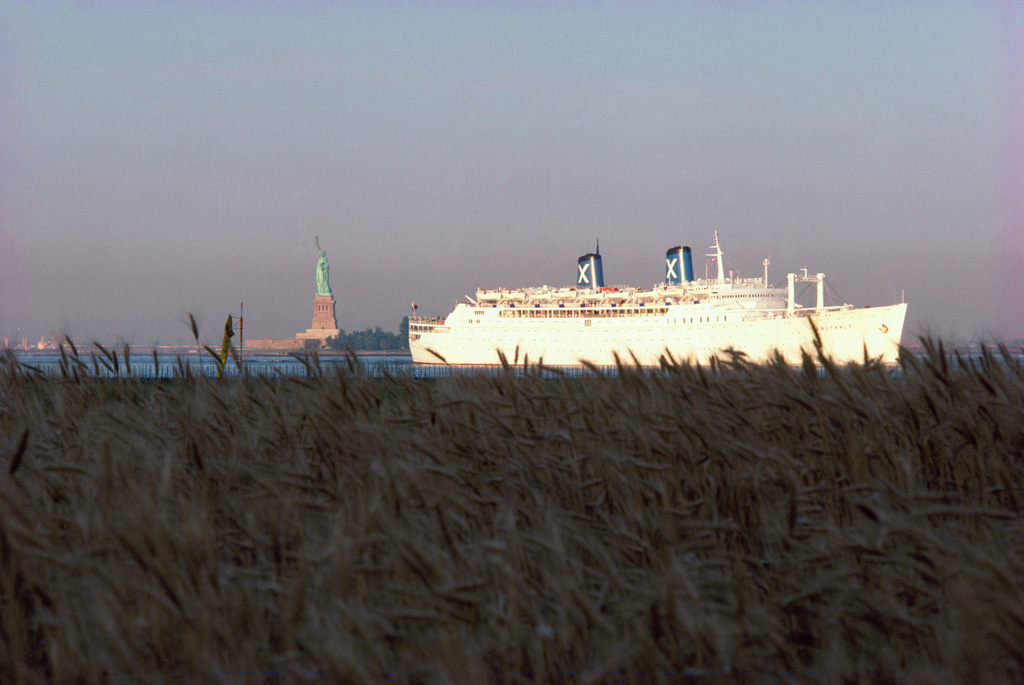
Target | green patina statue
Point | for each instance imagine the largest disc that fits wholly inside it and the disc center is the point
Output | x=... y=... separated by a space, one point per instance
x=323 y=272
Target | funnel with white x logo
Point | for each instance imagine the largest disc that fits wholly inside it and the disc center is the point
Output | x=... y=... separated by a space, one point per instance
x=589 y=273
x=678 y=265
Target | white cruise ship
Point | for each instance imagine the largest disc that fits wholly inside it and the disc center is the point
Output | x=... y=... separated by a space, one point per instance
x=682 y=319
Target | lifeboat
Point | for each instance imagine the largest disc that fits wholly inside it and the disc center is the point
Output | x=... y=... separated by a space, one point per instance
x=488 y=295
x=514 y=295
x=541 y=294
x=671 y=291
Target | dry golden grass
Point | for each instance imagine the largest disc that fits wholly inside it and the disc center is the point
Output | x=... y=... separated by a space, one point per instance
x=756 y=523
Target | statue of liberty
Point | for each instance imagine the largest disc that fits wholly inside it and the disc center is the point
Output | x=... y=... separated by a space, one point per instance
x=323 y=272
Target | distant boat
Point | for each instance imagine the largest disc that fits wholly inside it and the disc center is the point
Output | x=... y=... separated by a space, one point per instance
x=683 y=318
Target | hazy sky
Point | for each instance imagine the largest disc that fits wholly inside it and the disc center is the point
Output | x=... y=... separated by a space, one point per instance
x=162 y=158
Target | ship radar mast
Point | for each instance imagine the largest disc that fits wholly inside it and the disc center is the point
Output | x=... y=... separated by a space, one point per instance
x=717 y=254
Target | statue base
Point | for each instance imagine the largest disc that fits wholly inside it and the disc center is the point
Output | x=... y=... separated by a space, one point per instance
x=318 y=334
x=324 y=324
x=323 y=314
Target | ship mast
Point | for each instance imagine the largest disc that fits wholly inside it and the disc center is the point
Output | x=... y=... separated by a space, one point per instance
x=717 y=254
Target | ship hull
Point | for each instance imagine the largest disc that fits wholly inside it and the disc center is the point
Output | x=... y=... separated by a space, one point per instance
x=472 y=335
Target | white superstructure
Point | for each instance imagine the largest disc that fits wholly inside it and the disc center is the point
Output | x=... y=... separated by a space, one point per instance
x=683 y=318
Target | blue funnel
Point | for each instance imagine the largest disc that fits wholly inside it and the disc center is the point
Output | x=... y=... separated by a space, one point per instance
x=588 y=271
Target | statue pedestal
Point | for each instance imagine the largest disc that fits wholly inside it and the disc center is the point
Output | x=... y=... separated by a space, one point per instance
x=324 y=324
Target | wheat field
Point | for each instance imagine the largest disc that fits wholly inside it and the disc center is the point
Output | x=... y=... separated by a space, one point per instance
x=733 y=523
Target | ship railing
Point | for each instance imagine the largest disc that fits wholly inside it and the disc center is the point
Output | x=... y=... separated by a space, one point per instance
x=425 y=323
x=803 y=310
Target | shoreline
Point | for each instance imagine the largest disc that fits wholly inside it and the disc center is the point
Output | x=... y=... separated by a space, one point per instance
x=140 y=350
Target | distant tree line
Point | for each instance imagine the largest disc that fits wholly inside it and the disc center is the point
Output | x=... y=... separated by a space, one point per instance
x=372 y=339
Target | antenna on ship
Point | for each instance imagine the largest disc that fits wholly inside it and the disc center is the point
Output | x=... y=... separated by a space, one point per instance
x=717 y=255
x=598 y=250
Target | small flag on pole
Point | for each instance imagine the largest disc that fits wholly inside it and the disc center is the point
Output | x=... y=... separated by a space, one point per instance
x=414 y=307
